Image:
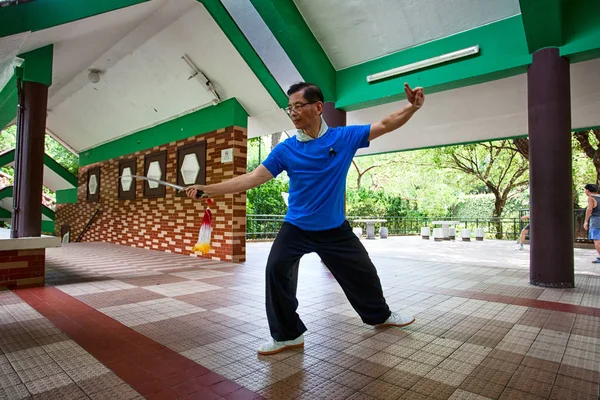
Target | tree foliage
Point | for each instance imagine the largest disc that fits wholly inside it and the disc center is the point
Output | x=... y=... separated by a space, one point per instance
x=588 y=141
x=8 y=140
x=267 y=198
x=497 y=165
x=61 y=155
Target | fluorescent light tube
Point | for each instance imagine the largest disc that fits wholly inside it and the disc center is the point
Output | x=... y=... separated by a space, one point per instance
x=424 y=63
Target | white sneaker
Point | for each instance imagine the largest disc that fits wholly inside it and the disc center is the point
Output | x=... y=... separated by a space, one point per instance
x=519 y=247
x=398 y=320
x=274 y=347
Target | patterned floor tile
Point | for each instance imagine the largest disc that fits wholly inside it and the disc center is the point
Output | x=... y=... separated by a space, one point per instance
x=14 y=392
x=466 y=344
x=181 y=288
x=48 y=383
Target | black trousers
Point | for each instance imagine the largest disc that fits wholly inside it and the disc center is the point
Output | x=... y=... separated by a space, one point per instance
x=346 y=258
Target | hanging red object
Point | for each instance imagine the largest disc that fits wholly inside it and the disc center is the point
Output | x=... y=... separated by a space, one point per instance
x=203 y=244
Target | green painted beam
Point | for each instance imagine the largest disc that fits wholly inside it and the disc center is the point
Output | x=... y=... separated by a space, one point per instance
x=503 y=53
x=221 y=16
x=60 y=170
x=295 y=37
x=543 y=23
x=43 y=14
x=228 y=113
x=9 y=99
x=4 y=214
x=7 y=157
x=6 y=191
x=581 y=30
x=48 y=212
x=66 y=196
x=37 y=66
x=48 y=227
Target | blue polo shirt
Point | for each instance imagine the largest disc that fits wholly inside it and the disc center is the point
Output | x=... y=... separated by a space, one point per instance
x=317 y=170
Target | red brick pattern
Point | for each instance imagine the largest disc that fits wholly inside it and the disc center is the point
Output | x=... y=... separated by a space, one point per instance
x=171 y=223
x=22 y=267
x=150 y=368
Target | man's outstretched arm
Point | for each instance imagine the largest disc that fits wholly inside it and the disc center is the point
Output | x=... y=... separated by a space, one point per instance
x=415 y=98
x=238 y=184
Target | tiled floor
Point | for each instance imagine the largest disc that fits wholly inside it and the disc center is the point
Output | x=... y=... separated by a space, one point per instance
x=482 y=332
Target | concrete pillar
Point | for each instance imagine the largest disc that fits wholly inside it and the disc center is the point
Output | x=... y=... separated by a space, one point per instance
x=333 y=116
x=549 y=104
x=29 y=156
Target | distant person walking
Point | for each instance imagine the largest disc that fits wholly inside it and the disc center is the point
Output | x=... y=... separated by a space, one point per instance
x=592 y=217
x=524 y=233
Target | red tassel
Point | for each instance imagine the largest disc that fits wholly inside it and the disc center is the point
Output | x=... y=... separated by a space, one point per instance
x=203 y=244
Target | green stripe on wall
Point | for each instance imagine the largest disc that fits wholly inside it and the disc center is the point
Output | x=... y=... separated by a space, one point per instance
x=66 y=196
x=43 y=14
x=228 y=113
x=503 y=52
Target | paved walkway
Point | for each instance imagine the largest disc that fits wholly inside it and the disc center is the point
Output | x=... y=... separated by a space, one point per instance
x=118 y=322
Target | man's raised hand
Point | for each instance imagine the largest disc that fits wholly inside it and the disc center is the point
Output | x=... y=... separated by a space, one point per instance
x=415 y=96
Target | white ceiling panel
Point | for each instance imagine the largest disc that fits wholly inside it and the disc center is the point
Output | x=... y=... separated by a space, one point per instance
x=490 y=110
x=354 y=31
x=145 y=82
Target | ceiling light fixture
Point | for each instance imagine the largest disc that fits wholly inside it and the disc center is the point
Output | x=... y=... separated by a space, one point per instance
x=94 y=76
x=423 y=64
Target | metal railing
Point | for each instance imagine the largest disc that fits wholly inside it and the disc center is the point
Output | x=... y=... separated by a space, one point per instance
x=267 y=226
x=581 y=235
x=494 y=228
x=262 y=226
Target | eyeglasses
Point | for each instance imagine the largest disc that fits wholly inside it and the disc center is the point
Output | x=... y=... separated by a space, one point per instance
x=297 y=107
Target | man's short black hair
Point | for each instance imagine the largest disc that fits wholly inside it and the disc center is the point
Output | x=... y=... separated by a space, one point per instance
x=592 y=188
x=310 y=91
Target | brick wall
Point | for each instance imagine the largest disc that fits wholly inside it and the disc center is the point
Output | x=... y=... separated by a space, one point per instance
x=22 y=267
x=170 y=223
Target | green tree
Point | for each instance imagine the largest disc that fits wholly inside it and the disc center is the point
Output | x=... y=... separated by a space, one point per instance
x=61 y=155
x=411 y=176
x=266 y=199
x=498 y=165
x=585 y=147
x=8 y=140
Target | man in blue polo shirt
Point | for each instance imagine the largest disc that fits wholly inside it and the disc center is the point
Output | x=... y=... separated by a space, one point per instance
x=317 y=160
